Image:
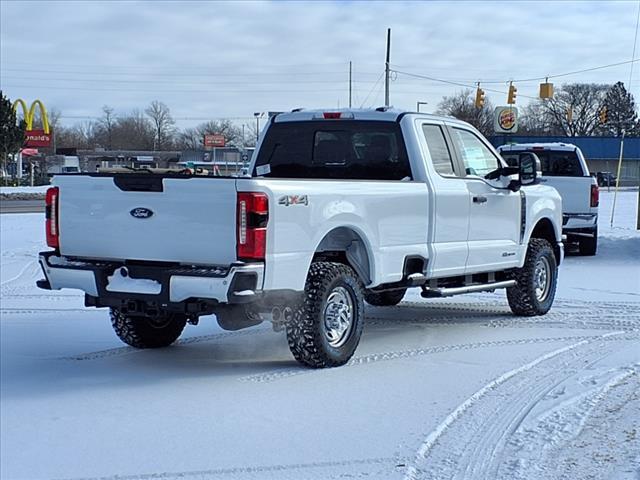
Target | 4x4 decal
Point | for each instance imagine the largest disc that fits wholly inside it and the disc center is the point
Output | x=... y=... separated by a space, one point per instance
x=293 y=200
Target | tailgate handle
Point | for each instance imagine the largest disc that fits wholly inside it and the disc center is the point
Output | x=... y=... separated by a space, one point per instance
x=148 y=182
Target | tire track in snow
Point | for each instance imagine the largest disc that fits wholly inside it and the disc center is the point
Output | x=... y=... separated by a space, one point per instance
x=259 y=471
x=420 y=466
x=417 y=352
x=484 y=450
x=118 y=351
x=30 y=311
x=555 y=431
x=29 y=265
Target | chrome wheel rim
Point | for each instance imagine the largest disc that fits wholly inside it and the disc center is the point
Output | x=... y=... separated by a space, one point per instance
x=542 y=279
x=338 y=317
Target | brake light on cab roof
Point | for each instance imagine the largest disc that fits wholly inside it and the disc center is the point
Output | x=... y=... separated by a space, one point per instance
x=334 y=115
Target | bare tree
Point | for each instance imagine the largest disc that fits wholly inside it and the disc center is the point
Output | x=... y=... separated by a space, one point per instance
x=193 y=138
x=163 y=124
x=85 y=133
x=583 y=100
x=134 y=132
x=231 y=132
x=189 y=139
x=462 y=106
x=107 y=123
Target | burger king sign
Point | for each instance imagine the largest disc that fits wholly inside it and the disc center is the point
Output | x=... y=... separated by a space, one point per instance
x=505 y=119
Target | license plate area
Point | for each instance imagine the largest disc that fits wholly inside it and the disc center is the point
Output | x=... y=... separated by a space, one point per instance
x=122 y=282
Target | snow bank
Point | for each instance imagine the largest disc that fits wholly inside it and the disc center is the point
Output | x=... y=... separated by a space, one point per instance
x=10 y=190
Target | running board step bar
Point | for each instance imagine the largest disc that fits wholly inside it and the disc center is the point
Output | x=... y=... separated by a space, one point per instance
x=483 y=287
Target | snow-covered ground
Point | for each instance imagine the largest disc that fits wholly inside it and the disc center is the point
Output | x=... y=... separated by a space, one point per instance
x=10 y=190
x=453 y=388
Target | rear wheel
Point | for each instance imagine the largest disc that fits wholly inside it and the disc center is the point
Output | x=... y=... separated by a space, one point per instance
x=589 y=245
x=536 y=281
x=326 y=328
x=384 y=299
x=147 y=332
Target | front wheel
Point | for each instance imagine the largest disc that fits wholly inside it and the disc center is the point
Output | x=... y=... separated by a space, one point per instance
x=147 y=332
x=326 y=327
x=536 y=281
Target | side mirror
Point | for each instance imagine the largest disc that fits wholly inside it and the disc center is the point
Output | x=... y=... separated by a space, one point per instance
x=528 y=168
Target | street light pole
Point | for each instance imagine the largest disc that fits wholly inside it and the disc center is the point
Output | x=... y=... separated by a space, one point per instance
x=258 y=115
x=418 y=105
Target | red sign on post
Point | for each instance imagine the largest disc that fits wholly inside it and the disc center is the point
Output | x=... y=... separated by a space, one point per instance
x=37 y=138
x=214 y=140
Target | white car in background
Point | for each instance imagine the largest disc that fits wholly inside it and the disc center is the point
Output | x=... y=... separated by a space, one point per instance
x=565 y=169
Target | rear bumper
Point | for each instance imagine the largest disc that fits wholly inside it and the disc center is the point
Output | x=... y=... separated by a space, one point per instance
x=572 y=222
x=109 y=283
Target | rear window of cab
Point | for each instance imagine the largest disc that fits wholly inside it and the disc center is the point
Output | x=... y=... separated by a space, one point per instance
x=342 y=149
x=554 y=163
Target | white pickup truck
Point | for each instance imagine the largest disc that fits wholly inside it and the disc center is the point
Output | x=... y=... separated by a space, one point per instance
x=564 y=168
x=340 y=207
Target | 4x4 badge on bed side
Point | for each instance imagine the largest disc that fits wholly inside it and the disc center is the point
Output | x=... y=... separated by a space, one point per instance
x=293 y=200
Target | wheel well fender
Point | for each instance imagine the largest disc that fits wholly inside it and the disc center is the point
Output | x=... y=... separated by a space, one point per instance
x=345 y=245
x=544 y=229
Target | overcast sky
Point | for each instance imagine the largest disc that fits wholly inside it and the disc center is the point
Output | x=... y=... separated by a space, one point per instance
x=215 y=59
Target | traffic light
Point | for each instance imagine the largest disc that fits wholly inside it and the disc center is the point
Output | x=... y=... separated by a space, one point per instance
x=546 y=90
x=569 y=114
x=511 y=98
x=479 y=98
x=603 y=115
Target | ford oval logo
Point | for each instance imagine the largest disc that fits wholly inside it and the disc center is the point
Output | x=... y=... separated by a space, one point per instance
x=141 y=212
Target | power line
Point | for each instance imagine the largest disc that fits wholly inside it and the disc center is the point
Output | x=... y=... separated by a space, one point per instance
x=523 y=80
x=165 y=82
x=635 y=41
x=51 y=87
x=449 y=82
x=175 y=74
x=372 y=89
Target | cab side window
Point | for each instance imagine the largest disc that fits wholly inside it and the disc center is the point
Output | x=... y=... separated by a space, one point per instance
x=438 y=149
x=477 y=158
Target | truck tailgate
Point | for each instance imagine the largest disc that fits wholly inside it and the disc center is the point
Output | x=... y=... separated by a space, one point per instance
x=575 y=192
x=189 y=220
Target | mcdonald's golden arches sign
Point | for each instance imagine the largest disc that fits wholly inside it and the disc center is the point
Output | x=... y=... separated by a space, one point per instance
x=35 y=137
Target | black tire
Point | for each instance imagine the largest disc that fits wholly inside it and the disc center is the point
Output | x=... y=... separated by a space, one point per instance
x=522 y=298
x=384 y=299
x=144 y=332
x=307 y=333
x=588 y=246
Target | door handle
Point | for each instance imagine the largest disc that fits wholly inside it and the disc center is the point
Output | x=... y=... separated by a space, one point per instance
x=480 y=199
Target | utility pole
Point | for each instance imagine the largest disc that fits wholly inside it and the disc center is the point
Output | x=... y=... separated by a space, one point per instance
x=350 y=88
x=386 y=69
x=615 y=193
x=258 y=115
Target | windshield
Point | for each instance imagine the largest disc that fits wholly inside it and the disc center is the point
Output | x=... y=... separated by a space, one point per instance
x=555 y=163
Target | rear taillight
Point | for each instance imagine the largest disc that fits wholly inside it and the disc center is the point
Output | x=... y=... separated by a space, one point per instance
x=595 y=195
x=51 y=215
x=253 y=215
